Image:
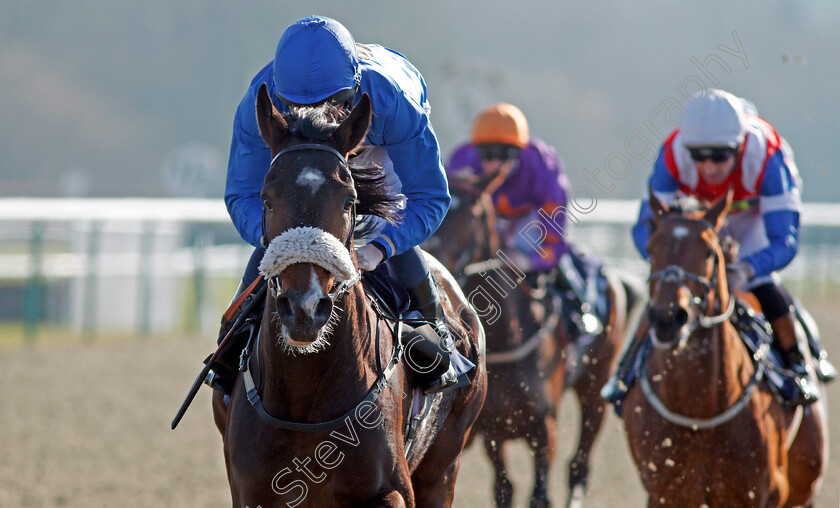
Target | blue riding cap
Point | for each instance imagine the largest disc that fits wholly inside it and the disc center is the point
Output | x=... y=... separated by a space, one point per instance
x=315 y=59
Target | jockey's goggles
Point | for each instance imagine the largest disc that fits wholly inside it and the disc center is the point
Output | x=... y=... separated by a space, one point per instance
x=716 y=154
x=497 y=151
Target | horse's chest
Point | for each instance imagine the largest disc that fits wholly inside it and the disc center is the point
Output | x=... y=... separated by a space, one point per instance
x=352 y=462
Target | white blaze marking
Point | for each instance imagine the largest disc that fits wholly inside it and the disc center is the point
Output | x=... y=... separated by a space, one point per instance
x=680 y=232
x=313 y=295
x=311 y=179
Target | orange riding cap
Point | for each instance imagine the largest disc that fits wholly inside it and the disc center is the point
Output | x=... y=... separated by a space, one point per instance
x=501 y=123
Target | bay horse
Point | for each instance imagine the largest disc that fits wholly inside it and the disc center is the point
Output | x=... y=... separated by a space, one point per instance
x=703 y=427
x=530 y=360
x=325 y=422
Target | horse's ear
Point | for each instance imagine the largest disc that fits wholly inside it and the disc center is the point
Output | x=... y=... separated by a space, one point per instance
x=717 y=213
x=272 y=126
x=658 y=208
x=354 y=128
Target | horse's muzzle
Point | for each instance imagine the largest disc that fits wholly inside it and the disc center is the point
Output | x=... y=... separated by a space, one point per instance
x=305 y=315
x=667 y=323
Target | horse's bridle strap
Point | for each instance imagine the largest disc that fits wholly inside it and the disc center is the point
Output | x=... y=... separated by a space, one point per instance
x=311 y=146
x=319 y=428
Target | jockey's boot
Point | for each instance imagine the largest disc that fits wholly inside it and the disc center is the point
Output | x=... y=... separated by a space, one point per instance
x=622 y=379
x=580 y=316
x=432 y=342
x=804 y=390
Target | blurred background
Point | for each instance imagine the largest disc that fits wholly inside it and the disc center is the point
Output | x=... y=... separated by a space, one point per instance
x=107 y=108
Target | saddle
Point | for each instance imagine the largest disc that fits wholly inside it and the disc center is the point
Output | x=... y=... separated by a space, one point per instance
x=391 y=302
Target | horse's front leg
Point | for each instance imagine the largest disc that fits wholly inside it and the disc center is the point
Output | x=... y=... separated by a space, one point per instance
x=542 y=442
x=592 y=412
x=220 y=411
x=497 y=452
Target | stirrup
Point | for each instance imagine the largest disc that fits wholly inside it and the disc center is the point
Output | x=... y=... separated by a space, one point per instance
x=214 y=381
x=614 y=390
x=590 y=324
x=801 y=389
x=825 y=370
x=804 y=392
x=447 y=379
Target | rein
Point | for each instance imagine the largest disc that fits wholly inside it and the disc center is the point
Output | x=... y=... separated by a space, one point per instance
x=707 y=423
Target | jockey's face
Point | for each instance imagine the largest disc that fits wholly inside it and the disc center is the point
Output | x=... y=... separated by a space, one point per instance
x=714 y=164
x=715 y=173
x=497 y=159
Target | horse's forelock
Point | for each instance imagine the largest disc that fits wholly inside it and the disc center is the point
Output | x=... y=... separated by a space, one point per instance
x=315 y=123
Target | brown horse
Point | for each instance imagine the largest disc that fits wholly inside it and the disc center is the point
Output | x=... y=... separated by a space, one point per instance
x=704 y=429
x=530 y=360
x=324 y=424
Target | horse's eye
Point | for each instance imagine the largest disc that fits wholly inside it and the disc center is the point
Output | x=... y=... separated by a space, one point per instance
x=267 y=206
x=348 y=204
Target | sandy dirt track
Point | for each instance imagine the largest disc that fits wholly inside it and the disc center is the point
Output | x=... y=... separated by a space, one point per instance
x=87 y=425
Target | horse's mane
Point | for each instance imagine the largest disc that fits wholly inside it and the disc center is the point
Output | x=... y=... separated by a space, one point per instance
x=316 y=124
x=686 y=205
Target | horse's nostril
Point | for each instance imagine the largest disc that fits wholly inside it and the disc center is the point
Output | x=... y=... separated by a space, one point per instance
x=681 y=316
x=323 y=309
x=284 y=308
x=653 y=316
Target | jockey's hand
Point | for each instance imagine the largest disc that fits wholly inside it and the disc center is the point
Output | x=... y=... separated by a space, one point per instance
x=368 y=257
x=738 y=275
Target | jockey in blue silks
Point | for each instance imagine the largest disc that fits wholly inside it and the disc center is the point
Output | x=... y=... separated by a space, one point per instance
x=723 y=144
x=317 y=61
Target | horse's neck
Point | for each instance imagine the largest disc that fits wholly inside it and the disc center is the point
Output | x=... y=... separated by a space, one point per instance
x=514 y=318
x=707 y=376
x=292 y=385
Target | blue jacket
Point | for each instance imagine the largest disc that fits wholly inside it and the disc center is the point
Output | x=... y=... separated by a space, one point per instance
x=400 y=123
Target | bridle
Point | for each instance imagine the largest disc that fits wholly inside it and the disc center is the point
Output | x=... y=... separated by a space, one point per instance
x=482 y=207
x=340 y=288
x=382 y=380
x=676 y=273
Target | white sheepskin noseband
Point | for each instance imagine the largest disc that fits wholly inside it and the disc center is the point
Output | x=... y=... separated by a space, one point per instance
x=308 y=245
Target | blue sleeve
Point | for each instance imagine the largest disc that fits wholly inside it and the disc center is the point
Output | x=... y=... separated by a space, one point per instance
x=641 y=230
x=782 y=228
x=247 y=167
x=661 y=181
x=662 y=184
x=779 y=202
x=414 y=151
